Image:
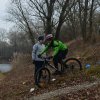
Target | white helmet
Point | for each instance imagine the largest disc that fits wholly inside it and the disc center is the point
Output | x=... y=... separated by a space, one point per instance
x=49 y=36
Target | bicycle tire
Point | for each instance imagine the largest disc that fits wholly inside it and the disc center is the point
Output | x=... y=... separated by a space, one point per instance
x=39 y=72
x=74 y=59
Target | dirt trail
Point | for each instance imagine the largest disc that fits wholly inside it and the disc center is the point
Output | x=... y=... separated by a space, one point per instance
x=49 y=95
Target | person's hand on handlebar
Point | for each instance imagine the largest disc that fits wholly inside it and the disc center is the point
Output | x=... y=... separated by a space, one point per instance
x=50 y=57
x=39 y=56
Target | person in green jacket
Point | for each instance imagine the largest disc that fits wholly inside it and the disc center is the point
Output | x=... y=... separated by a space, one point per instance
x=60 y=49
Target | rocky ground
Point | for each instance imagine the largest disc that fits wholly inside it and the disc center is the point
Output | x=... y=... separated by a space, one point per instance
x=16 y=84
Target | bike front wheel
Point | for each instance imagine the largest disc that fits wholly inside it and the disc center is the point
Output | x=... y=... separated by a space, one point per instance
x=42 y=77
x=73 y=64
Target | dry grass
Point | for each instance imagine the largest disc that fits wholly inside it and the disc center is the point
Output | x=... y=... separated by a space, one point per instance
x=88 y=53
x=94 y=71
x=1 y=76
x=19 y=81
x=21 y=59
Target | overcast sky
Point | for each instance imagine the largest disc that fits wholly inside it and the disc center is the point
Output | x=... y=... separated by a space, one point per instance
x=3 y=14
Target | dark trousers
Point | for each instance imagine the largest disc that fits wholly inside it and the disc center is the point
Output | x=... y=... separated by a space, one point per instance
x=38 y=65
x=58 y=58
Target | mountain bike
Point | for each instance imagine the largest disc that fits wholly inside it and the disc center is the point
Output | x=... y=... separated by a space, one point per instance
x=43 y=75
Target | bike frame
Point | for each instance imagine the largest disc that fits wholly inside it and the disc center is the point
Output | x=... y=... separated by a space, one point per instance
x=46 y=63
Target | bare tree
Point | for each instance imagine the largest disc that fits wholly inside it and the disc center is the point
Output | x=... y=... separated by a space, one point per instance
x=91 y=20
x=47 y=10
x=50 y=15
x=21 y=17
x=83 y=14
x=44 y=9
x=3 y=34
x=72 y=20
x=19 y=41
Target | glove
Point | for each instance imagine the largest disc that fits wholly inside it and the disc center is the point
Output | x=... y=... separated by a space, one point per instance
x=50 y=57
x=39 y=56
x=33 y=61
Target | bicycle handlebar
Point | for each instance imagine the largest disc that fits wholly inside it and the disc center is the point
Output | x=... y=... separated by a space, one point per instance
x=46 y=58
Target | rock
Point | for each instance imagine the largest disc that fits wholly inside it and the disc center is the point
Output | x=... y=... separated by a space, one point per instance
x=32 y=89
x=53 y=79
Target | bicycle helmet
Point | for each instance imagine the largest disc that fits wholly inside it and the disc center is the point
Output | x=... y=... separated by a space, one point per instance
x=49 y=37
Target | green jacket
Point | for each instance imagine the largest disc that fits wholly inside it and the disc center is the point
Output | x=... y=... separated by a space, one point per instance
x=56 y=45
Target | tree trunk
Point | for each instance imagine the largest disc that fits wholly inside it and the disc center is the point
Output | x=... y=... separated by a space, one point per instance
x=57 y=35
x=50 y=9
x=61 y=19
x=48 y=26
x=91 y=21
x=83 y=23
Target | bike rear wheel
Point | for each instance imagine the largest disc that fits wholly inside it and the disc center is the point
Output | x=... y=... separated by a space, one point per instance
x=43 y=77
x=73 y=64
